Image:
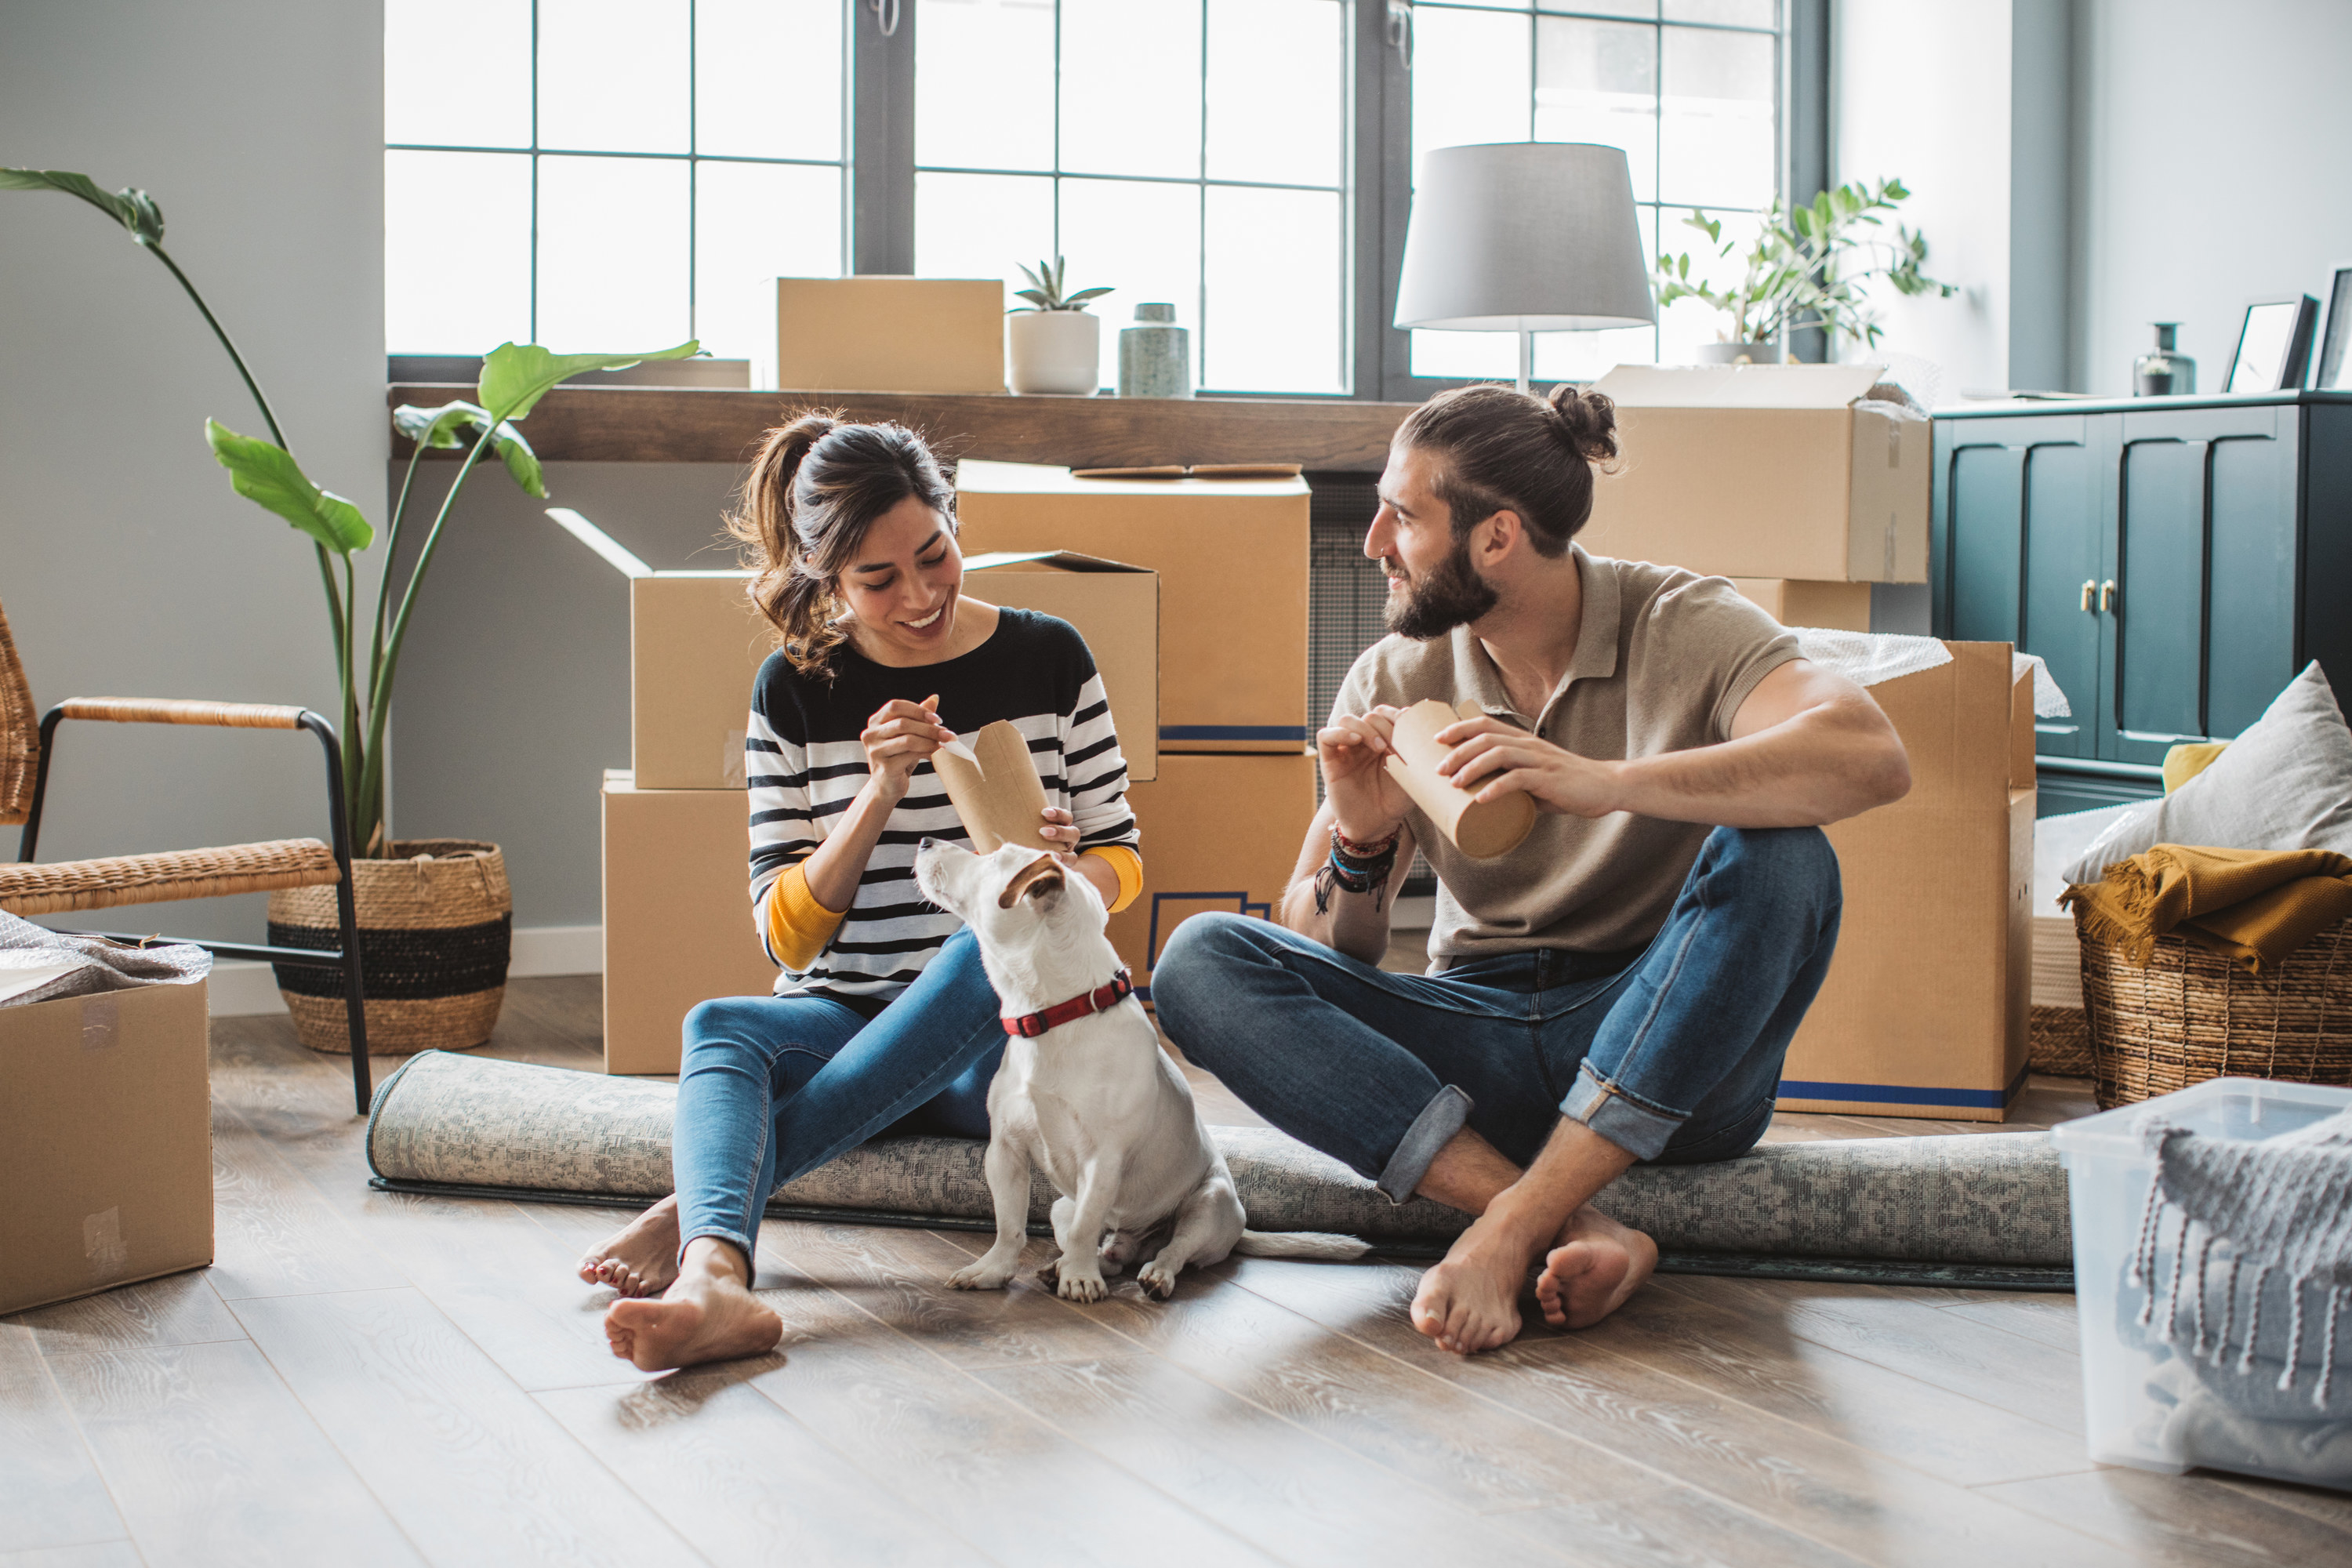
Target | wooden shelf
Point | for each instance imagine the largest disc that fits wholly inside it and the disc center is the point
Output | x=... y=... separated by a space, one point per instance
x=698 y=424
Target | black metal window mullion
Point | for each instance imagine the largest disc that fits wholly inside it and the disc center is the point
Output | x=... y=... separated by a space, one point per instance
x=534 y=170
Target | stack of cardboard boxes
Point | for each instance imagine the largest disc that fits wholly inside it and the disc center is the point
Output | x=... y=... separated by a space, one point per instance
x=1804 y=488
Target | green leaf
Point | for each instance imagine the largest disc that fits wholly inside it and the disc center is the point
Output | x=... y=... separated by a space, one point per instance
x=515 y=376
x=134 y=209
x=440 y=427
x=269 y=476
x=1034 y=296
x=1082 y=296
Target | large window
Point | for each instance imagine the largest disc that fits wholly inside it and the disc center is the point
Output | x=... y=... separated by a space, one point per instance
x=602 y=173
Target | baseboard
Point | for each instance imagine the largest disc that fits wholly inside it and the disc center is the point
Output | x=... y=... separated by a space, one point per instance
x=245 y=988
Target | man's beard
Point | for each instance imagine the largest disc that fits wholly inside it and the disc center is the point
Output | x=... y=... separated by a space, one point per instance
x=1451 y=595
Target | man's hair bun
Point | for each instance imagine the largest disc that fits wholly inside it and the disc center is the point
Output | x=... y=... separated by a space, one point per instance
x=1587 y=421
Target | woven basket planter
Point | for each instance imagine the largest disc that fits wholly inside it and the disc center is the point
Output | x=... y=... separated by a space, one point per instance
x=2058 y=1042
x=436 y=922
x=2192 y=1015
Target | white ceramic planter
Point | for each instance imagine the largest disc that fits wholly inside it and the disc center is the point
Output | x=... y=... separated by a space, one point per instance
x=1054 y=351
x=1740 y=354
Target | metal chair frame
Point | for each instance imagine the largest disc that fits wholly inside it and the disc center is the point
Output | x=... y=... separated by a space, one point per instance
x=347 y=958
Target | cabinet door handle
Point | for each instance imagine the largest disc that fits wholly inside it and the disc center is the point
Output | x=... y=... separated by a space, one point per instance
x=2090 y=587
x=2108 y=596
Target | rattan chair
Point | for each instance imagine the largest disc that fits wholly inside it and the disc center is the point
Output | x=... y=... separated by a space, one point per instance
x=67 y=885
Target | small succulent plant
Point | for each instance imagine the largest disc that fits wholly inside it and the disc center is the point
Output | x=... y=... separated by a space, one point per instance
x=1045 y=292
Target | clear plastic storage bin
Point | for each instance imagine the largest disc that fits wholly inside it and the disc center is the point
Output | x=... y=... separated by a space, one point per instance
x=2158 y=1405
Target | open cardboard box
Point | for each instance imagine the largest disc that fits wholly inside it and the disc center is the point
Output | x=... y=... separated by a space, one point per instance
x=1841 y=607
x=695 y=642
x=106 y=1141
x=886 y=333
x=1924 y=1011
x=1764 y=471
x=1232 y=556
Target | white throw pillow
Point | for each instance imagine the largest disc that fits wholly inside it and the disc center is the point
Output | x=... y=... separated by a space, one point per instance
x=2285 y=784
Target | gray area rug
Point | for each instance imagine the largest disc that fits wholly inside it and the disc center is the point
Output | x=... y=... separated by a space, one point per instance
x=451 y=1123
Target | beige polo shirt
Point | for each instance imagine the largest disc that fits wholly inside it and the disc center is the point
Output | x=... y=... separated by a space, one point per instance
x=1664 y=659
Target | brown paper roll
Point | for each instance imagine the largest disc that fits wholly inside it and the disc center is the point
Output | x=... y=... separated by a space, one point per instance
x=1479 y=831
x=1002 y=801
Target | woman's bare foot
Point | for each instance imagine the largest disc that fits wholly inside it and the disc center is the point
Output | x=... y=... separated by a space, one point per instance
x=1596 y=1265
x=709 y=1313
x=1470 y=1302
x=641 y=1258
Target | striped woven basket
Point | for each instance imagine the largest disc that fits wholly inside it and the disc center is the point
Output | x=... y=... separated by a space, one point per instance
x=2192 y=1015
x=436 y=922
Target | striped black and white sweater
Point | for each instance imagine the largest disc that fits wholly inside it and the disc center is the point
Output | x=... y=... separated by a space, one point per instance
x=805 y=764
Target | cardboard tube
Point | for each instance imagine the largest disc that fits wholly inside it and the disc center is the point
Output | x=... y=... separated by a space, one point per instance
x=1001 y=800
x=1479 y=831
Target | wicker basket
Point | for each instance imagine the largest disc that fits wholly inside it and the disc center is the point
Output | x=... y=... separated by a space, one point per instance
x=2192 y=1015
x=2058 y=1042
x=20 y=732
x=436 y=922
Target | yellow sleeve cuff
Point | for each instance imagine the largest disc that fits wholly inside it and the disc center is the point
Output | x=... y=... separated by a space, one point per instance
x=1123 y=859
x=798 y=926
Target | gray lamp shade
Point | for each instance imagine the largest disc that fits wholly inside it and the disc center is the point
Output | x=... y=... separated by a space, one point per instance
x=1530 y=236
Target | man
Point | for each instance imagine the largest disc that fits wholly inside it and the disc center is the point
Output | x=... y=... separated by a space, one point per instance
x=1623 y=984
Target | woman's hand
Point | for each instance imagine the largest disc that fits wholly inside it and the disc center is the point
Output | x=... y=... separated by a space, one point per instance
x=1491 y=759
x=1061 y=831
x=1353 y=751
x=897 y=736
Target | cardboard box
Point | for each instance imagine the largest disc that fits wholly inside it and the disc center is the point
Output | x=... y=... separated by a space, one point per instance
x=878 y=334
x=106 y=1142
x=695 y=642
x=1842 y=606
x=1764 y=471
x=1219 y=832
x=1924 y=1011
x=678 y=922
x=1232 y=556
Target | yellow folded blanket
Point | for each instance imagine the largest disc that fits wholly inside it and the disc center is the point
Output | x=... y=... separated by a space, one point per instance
x=2254 y=905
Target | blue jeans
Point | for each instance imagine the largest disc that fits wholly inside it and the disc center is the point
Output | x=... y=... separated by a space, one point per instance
x=1672 y=1053
x=769 y=1087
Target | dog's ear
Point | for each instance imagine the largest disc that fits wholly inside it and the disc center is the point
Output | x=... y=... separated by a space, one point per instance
x=1038 y=879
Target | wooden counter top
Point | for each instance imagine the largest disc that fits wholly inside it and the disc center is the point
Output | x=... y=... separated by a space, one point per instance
x=700 y=424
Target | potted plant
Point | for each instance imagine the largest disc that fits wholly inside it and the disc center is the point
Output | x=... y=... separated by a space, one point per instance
x=1052 y=342
x=1803 y=271
x=435 y=916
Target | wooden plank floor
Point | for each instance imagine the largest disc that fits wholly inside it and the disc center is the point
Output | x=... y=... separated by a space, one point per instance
x=364 y=1378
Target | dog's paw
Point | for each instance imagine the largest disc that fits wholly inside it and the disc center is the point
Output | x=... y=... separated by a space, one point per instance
x=1077 y=1288
x=980 y=1277
x=1158 y=1282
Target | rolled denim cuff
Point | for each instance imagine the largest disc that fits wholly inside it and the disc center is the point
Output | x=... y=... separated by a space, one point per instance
x=734 y=1238
x=1439 y=1121
x=1641 y=1131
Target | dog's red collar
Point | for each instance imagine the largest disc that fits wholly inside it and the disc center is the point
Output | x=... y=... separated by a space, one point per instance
x=1101 y=999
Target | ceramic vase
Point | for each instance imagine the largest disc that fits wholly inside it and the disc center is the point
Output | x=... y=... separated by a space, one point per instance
x=1740 y=354
x=1053 y=351
x=1155 y=356
x=2164 y=371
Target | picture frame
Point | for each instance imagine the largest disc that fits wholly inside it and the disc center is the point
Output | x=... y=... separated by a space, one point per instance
x=2333 y=374
x=2274 y=346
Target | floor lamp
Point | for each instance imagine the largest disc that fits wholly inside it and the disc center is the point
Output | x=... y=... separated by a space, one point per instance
x=1526 y=237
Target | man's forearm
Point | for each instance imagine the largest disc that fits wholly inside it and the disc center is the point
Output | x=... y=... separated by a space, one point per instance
x=1354 y=923
x=1823 y=766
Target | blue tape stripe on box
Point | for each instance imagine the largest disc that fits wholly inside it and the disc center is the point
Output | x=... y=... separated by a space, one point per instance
x=1903 y=1094
x=1233 y=732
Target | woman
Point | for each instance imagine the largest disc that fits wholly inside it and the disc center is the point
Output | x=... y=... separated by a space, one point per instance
x=883 y=1012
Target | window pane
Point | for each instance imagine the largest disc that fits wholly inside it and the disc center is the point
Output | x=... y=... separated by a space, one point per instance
x=478 y=96
x=611 y=74
x=754 y=222
x=1492 y=356
x=985 y=84
x=1686 y=323
x=1470 y=82
x=1598 y=81
x=767 y=78
x=1131 y=86
x=612 y=254
x=982 y=225
x=1276 y=76
x=1717 y=139
x=438 y=208
x=1143 y=240
x=1275 y=299
x=1646 y=9
x=1732 y=13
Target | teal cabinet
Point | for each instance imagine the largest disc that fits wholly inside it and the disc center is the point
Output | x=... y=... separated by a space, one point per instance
x=2175 y=560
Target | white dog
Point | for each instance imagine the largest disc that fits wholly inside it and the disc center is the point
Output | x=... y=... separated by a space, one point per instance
x=1087 y=1094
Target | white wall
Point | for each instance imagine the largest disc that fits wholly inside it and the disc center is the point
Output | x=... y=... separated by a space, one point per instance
x=127 y=565
x=1922 y=92
x=2210 y=172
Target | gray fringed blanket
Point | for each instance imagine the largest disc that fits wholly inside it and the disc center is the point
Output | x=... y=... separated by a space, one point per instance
x=1993 y=1198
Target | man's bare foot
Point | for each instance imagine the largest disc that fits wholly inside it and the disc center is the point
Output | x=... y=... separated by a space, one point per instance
x=641 y=1258
x=1470 y=1302
x=709 y=1313
x=1596 y=1265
